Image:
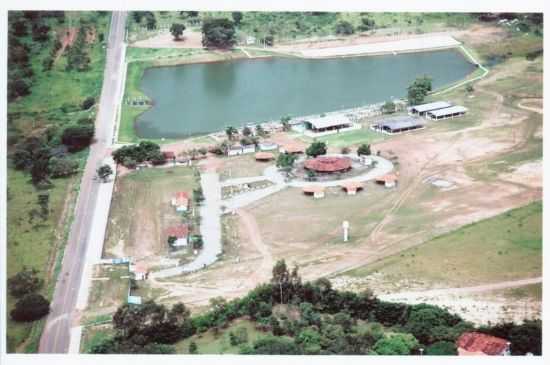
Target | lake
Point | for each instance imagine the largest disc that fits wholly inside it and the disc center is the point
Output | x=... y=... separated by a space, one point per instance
x=206 y=97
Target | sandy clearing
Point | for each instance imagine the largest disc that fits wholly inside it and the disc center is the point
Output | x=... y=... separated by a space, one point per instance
x=189 y=39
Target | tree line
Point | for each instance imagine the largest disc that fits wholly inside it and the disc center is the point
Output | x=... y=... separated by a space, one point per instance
x=329 y=322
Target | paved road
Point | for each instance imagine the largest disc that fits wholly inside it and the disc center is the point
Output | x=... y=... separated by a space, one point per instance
x=56 y=335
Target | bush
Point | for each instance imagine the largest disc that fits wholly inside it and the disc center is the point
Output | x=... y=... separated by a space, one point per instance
x=62 y=167
x=317 y=148
x=388 y=107
x=77 y=137
x=30 y=308
x=87 y=103
x=272 y=345
x=24 y=282
x=441 y=348
x=345 y=28
x=364 y=149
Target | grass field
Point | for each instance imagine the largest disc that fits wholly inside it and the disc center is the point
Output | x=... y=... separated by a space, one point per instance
x=218 y=343
x=109 y=289
x=346 y=139
x=506 y=247
x=141 y=210
x=242 y=166
x=94 y=335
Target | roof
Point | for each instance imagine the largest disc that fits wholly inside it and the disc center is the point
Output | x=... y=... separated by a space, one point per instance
x=264 y=156
x=431 y=106
x=293 y=148
x=329 y=121
x=400 y=122
x=328 y=164
x=387 y=178
x=352 y=185
x=182 y=198
x=481 y=343
x=141 y=267
x=448 y=111
x=169 y=154
x=179 y=231
x=132 y=299
x=313 y=189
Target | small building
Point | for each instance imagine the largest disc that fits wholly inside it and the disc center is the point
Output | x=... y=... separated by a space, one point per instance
x=133 y=299
x=328 y=164
x=292 y=148
x=180 y=232
x=452 y=112
x=399 y=124
x=332 y=123
x=250 y=40
x=317 y=191
x=268 y=146
x=476 y=343
x=352 y=187
x=264 y=156
x=388 y=180
x=181 y=201
x=249 y=148
x=140 y=270
x=169 y=156
x=425 y=108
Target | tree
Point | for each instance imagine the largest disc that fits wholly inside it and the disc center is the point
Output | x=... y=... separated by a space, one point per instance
x=193 y=347
x=285 y=160
x=231 y=132
x=388 y=107
x=396 y=344
x=218 y=33
x=418 y=90
x=24 y=282
x=177 y=30
x=198 y=195
x=273 y=345
x=285 y=121
x=77 y=137
x=317 y=148
x=30 y=307
x=441 y=348
x=88 y=103
x=62 y=166
x=104 y=171
x=260 y=131
x=247 y=131
x=366 y=24
x=423 y=319
x=280 y=282
x=344 y=27
x=364 y=149
x=237 y=17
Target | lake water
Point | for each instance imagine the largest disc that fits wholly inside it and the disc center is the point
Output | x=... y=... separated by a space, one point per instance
x=199 y=98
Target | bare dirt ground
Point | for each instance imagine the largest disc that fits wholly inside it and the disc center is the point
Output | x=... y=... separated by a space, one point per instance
x=67 y=38
x=189 y=39
x=388 y=220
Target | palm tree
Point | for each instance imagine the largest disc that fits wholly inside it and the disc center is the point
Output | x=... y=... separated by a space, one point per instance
x=230 y=131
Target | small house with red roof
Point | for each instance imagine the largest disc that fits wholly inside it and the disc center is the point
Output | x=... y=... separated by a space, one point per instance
x=181 y=201
x=169 y=155
x=477 y=343
x=180 y=232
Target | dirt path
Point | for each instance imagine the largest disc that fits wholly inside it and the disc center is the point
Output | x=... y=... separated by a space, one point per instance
x=530 y=108
x=261 y=273
x=463 y=290
x=69 y=36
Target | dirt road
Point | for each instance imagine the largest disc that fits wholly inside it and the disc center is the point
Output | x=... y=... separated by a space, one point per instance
x=56 y=335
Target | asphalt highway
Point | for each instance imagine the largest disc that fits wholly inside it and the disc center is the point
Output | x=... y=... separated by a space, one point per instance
x=56 y=335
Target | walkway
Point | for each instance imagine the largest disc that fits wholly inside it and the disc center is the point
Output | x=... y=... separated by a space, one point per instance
x=210 y=228
x=406 y=45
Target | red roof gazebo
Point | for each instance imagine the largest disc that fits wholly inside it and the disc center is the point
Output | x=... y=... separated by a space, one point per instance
x=328 y=164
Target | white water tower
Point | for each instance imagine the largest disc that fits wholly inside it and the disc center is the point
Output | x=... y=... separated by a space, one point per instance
x=345 y=226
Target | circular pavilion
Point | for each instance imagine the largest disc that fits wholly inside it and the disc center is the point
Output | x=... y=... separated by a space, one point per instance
x=328 y=164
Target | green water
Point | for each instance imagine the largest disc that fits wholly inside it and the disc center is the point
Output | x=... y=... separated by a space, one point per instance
x=199 y=98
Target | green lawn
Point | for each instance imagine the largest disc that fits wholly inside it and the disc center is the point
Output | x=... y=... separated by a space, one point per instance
x=345 y=139
x=94 y=335
x=218 y=343
x=109 y=288
x=506 y=247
